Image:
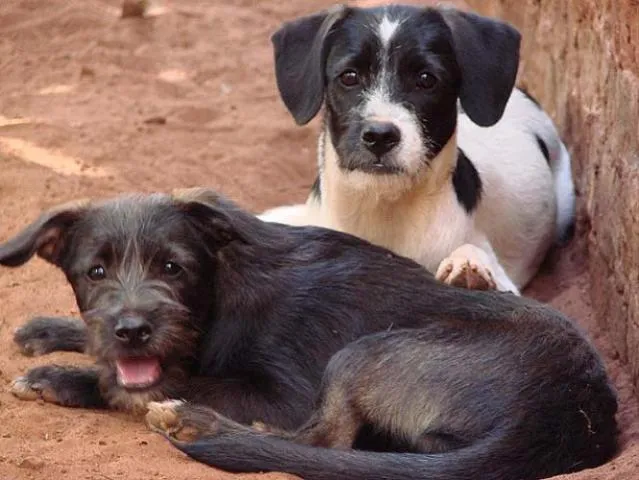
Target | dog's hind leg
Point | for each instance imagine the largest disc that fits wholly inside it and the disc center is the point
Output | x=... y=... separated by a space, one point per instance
x=66 y=386
x=335 y=426
x=42 y=335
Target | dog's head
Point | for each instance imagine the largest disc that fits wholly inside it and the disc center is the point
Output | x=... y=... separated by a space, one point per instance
x=142 y=269
x=391 y=77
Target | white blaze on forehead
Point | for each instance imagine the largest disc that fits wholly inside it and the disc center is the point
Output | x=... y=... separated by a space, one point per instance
x=387 y=28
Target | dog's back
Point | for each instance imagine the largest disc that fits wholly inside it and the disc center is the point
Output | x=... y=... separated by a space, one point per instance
x=526 y=180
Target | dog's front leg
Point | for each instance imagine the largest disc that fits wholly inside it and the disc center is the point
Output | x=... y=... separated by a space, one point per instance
x=475 y=267
x=197 y=414
x=188 y=422
x=42 y=335
x=66 y=386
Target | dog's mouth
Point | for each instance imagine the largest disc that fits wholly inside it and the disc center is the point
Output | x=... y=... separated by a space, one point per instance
x=136 y=373
x=380 y=168
x=373 y=167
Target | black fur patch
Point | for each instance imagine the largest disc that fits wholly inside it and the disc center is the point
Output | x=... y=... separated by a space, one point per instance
x=316 y=191
x=467 y=183
x=543 y=147
x=530 y=97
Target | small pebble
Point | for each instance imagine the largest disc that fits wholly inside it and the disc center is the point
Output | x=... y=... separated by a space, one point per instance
x=31 y=463
x=155 y=120
x=87 y=71
x=134 y=8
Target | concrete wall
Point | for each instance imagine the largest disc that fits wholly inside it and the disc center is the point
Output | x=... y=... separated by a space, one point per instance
x=580 y=58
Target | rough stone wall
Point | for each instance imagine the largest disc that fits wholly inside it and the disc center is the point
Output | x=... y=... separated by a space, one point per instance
x=580 y=58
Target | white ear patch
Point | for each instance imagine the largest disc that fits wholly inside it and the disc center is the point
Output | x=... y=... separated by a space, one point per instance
x=387 y=29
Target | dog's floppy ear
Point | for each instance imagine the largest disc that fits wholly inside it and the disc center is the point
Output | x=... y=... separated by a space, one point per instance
x=300 y=48
x=215 y=215
x=46 y=237
x=487 y=52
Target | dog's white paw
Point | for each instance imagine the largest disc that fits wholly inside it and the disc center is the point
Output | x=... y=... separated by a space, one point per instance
x=467 y=267
x=163 y=416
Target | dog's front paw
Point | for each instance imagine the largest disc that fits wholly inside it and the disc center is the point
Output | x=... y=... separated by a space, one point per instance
x=187 y=422
x=36 y=385
x=466 y=267
x=163 y=417
x=180 y=420
x=64 y=385
x=42 y=335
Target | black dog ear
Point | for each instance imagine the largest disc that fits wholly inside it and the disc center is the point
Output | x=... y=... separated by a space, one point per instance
x=46 y=237
x=300 y=48
x=216 y=217
x=487 y=52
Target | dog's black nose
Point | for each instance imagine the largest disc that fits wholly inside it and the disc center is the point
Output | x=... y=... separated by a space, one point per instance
x=133 y=330
x=380 y=137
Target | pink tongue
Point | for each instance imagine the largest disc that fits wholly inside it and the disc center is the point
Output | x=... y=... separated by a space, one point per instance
x=138 y=372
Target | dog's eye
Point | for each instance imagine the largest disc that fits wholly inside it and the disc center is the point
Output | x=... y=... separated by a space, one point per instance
x=349 y=78
x=96 y=273
x=426 y=81
x=172 y=269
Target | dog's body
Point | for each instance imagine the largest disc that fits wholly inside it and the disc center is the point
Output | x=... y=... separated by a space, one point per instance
x=441 y=181
x=190 y=297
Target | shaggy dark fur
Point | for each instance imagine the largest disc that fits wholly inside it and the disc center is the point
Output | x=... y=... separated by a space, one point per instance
x=244 y=317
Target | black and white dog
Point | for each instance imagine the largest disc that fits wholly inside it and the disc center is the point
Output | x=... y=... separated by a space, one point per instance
x=476 y=194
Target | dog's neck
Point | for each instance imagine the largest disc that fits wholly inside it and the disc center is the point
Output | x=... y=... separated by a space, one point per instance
x=351 y=199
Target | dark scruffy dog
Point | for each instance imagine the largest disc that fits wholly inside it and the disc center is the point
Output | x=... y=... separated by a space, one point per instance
x=189 y=297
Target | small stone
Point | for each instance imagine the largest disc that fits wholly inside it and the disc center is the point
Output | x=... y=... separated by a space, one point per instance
x=144 y=442
x=134 y=8
x=31 y=463
x=102 y=442
x=87 y=71
x=155 y=120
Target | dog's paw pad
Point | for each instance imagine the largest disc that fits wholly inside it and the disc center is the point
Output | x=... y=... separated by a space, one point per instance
x=462 y=272
x=163 y=416
x=25 y=389
x=32 y=342
x=166 y=418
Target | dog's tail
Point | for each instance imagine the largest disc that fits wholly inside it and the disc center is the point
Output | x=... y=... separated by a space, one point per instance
x=487 y=459
x=559 y=160
x=241 y=452
x=560 y=164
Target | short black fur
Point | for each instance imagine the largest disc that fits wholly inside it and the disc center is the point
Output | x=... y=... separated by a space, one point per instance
x=467 y=183
x=543 y=147
x=316 y=189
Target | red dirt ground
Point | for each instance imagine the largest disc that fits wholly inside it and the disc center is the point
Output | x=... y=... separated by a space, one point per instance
x=92 y=105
